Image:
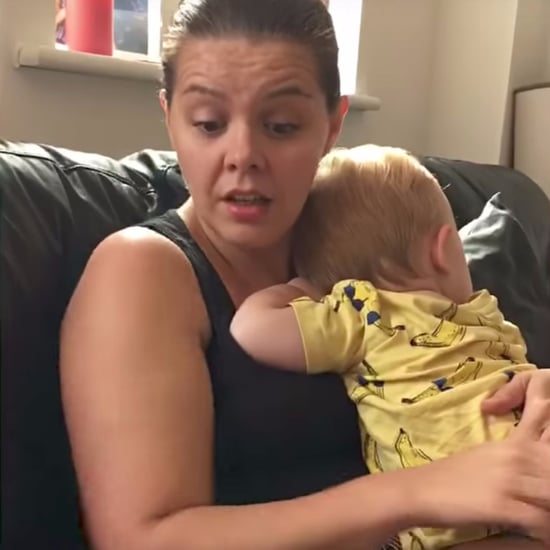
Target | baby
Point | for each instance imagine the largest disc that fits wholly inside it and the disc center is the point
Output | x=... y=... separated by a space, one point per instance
x=385 y=299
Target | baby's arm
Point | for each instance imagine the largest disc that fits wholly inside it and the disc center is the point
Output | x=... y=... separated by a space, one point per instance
x=313 y=334
x=267 y=329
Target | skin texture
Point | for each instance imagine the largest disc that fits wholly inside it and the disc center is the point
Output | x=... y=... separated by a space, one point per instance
x=135 y=385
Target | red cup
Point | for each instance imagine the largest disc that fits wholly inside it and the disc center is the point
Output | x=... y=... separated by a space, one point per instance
x=89 y=26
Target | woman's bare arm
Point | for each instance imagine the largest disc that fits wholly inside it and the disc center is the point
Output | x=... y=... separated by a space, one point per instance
x=138 y=405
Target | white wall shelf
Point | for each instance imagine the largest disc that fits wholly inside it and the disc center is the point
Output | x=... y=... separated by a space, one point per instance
x=124 y=66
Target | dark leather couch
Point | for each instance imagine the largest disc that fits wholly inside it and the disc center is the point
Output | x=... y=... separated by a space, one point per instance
x=56 y=206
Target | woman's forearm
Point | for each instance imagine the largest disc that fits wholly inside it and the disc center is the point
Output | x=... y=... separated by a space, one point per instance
x=360 y=514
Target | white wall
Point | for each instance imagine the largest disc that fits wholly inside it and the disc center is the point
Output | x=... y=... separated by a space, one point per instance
x=110 y=116
x=485 y=50
x=396 y=59
x=474 y=43
x=444 y=69
x=546 y=73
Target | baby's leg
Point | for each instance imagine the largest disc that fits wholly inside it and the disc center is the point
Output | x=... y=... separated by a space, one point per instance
x=502 y=542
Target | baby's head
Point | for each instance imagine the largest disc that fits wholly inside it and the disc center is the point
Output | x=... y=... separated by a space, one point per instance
x=376 y=213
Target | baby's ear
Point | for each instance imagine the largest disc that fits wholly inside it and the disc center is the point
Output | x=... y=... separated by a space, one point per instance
x=440 y=249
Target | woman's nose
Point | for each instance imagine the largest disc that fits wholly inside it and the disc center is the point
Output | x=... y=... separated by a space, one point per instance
x=244 y=150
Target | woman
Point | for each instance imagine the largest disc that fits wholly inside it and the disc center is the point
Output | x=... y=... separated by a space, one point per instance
x=179 y=439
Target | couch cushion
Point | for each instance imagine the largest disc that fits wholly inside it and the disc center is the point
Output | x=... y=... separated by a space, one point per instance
x=469 y=185
x=505 y=260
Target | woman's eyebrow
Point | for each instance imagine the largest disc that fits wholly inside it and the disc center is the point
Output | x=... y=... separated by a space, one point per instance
x=204 y=90
x=290 y=90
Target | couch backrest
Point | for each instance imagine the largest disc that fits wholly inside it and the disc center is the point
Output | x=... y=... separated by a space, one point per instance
x=57 y=205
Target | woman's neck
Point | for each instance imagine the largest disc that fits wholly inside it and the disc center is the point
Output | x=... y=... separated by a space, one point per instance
x=242 y=270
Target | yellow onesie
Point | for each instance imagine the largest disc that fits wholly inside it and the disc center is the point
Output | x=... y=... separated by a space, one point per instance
x=418 y=367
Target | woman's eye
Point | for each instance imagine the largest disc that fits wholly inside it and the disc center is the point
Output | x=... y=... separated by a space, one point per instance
x=281 y=128
x=209 y=126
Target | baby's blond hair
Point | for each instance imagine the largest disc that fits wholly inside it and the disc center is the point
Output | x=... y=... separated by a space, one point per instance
x=368 y=209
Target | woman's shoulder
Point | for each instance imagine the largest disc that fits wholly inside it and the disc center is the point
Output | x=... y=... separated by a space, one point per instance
x=142 y=270
x=143 y=252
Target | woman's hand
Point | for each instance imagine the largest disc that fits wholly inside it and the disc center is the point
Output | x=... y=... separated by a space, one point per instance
x=505 y=483
x=530 y=390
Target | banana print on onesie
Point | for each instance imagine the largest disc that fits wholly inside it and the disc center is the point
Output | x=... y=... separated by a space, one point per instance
x=417 y=366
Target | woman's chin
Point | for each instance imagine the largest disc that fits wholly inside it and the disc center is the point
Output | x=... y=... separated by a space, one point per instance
x=252 y=238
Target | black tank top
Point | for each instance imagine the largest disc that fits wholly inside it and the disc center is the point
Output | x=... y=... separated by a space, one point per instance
x=278 y=435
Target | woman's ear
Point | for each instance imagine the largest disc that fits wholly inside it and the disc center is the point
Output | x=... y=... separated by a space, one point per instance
x=344 y=107
x=336 y=122
x=165 y=106
x=440 y=252
x=163 y=102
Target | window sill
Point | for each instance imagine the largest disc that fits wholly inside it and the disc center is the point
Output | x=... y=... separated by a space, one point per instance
x=126 y=66
x=58 y=59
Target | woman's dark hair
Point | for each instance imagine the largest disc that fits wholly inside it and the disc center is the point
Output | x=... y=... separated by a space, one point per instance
x=305 y=22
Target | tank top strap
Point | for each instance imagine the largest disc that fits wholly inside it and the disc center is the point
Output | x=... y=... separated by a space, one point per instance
x=218 y=303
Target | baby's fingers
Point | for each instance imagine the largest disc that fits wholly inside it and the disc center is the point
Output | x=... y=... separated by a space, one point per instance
x=535 y=422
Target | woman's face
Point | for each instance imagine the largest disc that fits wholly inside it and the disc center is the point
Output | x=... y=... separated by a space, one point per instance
x=249 y=123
